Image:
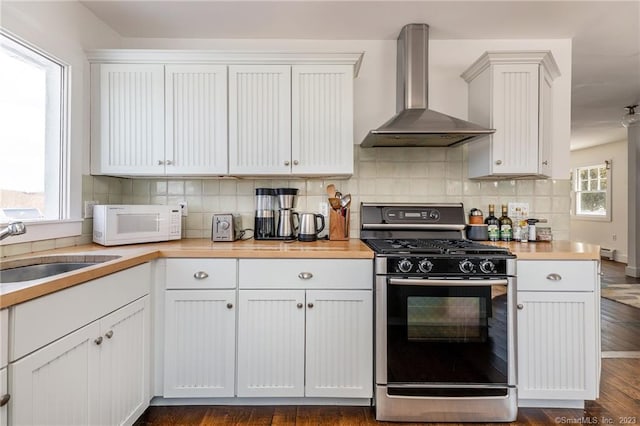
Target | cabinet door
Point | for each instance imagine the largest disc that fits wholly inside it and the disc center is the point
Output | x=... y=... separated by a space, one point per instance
x=271 y=343
x=3 y=391
x=199 y=353
x=58 y=384
x=196 y=119
x=131 y=135
x=125 y=363
x=260 y=119
x=545 y=125
x=339 y=350
x=322 y=119
x=515 y=118
x=557 y=348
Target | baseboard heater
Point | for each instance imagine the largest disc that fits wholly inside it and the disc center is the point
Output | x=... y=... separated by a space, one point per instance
x=606 y=253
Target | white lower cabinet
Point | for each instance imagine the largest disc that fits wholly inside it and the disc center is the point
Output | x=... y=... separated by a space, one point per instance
x=4 y=395
x=199 y=354
x=97 y=375
x=558 y=332
x=313 y=343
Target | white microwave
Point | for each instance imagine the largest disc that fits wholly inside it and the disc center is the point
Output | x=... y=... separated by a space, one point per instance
x=115 y=224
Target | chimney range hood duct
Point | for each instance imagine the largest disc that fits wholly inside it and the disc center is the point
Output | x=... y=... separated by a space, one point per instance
x=415 y=124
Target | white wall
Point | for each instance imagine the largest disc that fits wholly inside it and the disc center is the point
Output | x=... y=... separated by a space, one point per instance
x=64 y=30
x=375 y=86
x=599 y=232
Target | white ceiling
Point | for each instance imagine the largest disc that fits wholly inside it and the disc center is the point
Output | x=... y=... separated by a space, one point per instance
x=606 y=36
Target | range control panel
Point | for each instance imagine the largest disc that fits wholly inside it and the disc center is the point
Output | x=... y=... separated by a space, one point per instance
x=446 y=266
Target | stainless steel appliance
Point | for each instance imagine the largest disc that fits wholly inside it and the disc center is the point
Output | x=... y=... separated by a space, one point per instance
x=445 y=348
x=265 y=220
x=225 y=227
x=415 y=124
x=309 y=226
x=286 y=225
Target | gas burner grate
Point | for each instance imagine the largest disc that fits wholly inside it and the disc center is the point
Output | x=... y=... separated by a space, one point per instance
x=433 y=246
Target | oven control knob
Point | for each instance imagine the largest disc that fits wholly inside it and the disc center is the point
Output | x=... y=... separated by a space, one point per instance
x=425 y=266
x=487 y=266
x=405 y=265
x=466 y=266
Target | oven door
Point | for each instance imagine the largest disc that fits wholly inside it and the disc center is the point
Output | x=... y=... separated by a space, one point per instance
x=444 y=337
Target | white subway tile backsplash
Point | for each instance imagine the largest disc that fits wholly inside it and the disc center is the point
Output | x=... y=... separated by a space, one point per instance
x=211 y=187
x=175 y=187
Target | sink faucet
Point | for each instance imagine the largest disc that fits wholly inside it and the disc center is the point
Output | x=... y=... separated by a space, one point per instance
x=14 y=228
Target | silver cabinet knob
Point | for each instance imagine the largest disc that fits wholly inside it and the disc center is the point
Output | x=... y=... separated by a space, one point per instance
x=545 y=163
x=108 y=334
x=305 y=275
x=160 y=163
x=98 y=341
x=200 y=275
x=299 y=305
x=4 y=399
x=310 y=305
x=286 y=163
x=520 y=306
x=498 y=162
x=169 y=162
x=295 y=162
x=229 y=305
x=554 y=277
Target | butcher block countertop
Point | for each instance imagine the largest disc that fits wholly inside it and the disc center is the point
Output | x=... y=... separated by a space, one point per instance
x=552 y=250
x=136 y=254
x=132 y=255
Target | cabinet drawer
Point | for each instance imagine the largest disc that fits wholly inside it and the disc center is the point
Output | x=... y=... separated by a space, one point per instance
x=201 y=273
x=306 y=273
x=557 y=275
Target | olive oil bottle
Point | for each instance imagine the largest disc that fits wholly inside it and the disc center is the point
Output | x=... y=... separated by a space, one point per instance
x=506 y=225
x=493 y=224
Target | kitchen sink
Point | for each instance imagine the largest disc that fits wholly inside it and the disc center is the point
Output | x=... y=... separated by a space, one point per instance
x=44 y=267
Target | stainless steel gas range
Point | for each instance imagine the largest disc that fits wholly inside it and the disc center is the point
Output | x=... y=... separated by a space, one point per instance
x=444 y=319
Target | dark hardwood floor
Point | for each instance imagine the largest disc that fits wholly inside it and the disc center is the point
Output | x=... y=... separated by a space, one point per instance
x=619 y=402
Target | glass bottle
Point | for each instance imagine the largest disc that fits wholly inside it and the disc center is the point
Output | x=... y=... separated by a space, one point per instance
x=493 y=224
x=506 y=225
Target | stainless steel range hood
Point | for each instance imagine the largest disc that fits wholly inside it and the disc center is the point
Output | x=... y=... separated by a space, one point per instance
x=415 y=124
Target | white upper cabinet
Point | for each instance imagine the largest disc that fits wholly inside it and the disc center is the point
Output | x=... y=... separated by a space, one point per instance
x=196 y=119
x=156 y=120
x=511 y=92
x=200 y=113
x=260 y=119
x=128 y=119
x=322 y=119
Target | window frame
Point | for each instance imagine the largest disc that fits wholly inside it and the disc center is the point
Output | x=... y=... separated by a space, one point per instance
x=576 y=191
x=66 y=225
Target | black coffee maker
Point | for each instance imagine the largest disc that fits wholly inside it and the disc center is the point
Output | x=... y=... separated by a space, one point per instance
x=265 y=222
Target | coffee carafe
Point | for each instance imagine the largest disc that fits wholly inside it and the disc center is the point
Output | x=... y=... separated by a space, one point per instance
x=265 y=222
x=286 y=200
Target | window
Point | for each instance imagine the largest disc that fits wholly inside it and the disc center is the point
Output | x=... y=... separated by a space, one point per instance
x=592 y=188
x=33 y=109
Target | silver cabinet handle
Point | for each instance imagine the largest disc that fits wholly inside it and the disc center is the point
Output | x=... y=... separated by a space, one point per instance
x=286 y=162
x=299 y=305
x=295 y=162
x=310 y=305
x=98 y=341
x=305 y=275
x=169 y=162
x=554 y=277
x=5 y=399
x=498 y=162
x=200 y=275
x=108 y=334
x=229 y=305
x=520 y=306
x=160 y=163
x=545 y=163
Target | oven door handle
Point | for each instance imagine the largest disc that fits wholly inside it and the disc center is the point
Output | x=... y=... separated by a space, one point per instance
x=435 y=282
